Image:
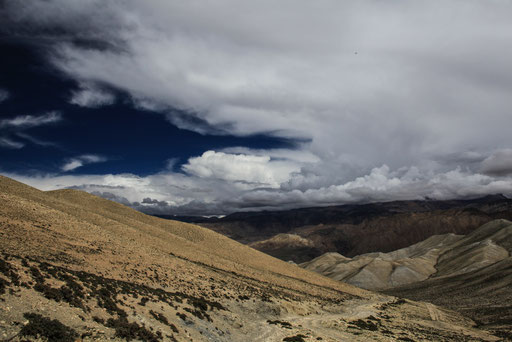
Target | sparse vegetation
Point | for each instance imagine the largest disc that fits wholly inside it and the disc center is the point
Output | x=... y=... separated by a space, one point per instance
x=98 y=320
x=51 y=329
x=296 y=338
x=131 y=330
x=365 y=325
x=181 y=315
x=143 y=301
x=3 y=286
x=283 y=324
x=159 y=317
x=7 y=270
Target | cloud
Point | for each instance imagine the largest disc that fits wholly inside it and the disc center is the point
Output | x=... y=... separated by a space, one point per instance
x=17 y=125
x=461 y=158
x=498 y=164
x=299 y=155
x=82 y=160
x=248 y=169
x=8 y=143
x=72 y=164
x=148 y=200
x=91 y=96
x=426 y=94
x=28 y=121
x=177 y=193
x=416 y=85
x=4 y=95
x=212 y=192
x=36 y=141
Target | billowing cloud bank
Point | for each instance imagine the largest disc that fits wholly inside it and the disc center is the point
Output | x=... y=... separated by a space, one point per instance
x=397 y=99
x=204 y=189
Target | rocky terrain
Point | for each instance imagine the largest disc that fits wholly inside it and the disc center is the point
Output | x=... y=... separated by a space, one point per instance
x=356 y=229
x=471 y=274
x=75 y=267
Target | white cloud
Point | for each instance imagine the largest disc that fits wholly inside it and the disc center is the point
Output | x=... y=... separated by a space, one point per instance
x=4 y=95
x=208 y=192
x=27 y=121
x=82 y=160
x=91 y=96
x=36 y=141
x=299 y=155
x=8 y=143
x=16 y=126
x=252 y=169
x=419 y=82
x=71 y=165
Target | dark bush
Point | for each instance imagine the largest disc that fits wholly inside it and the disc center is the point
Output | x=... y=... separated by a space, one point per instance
x=296 y=338
x=53 y=330
x=131 y=330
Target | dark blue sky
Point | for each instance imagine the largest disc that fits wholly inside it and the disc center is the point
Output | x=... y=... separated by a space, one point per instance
x=132 y=140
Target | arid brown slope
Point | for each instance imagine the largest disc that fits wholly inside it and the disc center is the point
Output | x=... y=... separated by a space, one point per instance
x=357 y=229
x=73 y=265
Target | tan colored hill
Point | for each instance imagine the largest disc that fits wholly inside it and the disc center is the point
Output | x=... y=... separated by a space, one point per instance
x=471 y=274
x=77 y=267
x=377 y=271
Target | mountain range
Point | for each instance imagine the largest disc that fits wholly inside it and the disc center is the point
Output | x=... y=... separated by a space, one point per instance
x=300 y=235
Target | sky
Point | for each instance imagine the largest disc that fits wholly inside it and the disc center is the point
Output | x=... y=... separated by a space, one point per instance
x=207 y=108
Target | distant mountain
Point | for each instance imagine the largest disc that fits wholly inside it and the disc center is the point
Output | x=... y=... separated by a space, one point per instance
x=357 y=229
x=76 y=267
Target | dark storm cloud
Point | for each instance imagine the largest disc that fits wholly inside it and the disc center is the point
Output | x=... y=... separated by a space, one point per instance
x=498 y=164
x=75 y=22
x=148 y=200
x=422 y=109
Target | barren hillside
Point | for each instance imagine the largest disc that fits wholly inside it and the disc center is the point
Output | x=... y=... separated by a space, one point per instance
x=75 y=266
